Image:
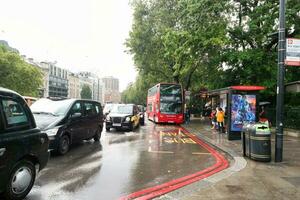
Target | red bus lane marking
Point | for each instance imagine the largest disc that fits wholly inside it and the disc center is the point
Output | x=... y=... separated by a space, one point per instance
x=149 y=193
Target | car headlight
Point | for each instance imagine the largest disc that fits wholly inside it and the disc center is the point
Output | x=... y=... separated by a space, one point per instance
x=108 y=118
x=52 y=131
x=142 y=115
x=127 y=119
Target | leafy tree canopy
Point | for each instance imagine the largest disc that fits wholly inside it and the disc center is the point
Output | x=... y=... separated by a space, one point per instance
x=208 y=43
x=86 y=92
x=17 y=75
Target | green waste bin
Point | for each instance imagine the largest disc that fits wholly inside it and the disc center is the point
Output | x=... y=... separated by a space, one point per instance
x=257 y=142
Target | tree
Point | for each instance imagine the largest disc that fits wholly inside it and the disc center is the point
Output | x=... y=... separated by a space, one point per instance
x=18 y=75
x=208 y=43
x=170 y=45
x=86 y=92
x=251 y=56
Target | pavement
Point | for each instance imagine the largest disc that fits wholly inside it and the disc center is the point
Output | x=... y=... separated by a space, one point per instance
x=245 y=178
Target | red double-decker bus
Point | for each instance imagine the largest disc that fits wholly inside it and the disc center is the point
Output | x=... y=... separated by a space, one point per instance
x=165 y=103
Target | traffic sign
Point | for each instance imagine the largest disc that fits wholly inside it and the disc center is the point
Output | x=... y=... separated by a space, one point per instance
x=292 y=52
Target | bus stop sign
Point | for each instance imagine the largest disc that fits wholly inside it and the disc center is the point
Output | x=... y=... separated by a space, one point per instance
x=292 y=52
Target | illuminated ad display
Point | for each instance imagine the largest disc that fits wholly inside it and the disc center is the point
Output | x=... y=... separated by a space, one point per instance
x=243 y=109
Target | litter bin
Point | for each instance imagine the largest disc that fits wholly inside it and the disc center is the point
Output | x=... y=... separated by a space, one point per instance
x=257 y=142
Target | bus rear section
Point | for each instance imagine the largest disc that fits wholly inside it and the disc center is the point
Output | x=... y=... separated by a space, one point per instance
x=165 y=103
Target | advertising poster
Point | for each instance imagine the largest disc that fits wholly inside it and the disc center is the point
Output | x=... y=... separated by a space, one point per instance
x=243 y=109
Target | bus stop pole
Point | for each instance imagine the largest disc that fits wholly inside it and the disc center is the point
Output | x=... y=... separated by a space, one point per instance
x=280 y=83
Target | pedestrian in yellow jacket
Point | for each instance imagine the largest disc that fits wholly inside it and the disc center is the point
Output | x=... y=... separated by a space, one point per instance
x=220 y=119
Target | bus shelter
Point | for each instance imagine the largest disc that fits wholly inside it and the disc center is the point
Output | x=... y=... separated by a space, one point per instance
x=240 y=104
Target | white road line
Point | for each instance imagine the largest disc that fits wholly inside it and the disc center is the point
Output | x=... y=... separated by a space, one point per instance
x=160 y=151
x=200 y=153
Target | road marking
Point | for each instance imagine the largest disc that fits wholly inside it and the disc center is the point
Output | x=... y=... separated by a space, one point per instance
x=200 y=153
x=221 y=163
x=160 y=151
x=178 y=141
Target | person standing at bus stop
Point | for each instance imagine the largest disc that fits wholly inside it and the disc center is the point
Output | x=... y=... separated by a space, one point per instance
x=187 y=115
x=220 y=120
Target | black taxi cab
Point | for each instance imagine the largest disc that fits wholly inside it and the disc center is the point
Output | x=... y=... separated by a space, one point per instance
x=23 y=148
x=123 y=116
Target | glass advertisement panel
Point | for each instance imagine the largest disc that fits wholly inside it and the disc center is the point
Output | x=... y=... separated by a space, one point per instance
x=243 y=109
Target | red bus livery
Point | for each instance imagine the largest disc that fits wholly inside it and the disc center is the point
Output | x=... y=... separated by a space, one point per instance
x=165 y=103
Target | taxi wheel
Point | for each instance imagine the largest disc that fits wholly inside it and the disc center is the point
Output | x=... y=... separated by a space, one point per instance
x=21 y=180
x=97 y=135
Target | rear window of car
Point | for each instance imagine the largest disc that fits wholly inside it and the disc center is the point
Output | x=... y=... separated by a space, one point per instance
x=14 y=113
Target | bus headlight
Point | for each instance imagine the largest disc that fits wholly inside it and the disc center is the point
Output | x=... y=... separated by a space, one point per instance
x=127 y=119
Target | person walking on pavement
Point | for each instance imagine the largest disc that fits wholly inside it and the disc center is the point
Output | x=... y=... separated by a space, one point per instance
x=213 y=119
x=187 y=116
x=220 y=120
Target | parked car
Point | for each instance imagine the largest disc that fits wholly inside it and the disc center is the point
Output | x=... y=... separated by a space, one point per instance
x=23 y=148
x=123 y=116
x=67 y=121
x=142 y=114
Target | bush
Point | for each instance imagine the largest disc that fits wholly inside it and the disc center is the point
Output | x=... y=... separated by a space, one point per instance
x=291 y=117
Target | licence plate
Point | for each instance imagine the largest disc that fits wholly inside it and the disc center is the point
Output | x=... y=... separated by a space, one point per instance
x=116 y=124
x=170 y=121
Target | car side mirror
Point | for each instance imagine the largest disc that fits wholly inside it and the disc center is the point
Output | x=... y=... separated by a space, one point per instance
x=75 y=115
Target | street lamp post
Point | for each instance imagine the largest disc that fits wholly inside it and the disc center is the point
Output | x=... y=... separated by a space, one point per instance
x=280 y=83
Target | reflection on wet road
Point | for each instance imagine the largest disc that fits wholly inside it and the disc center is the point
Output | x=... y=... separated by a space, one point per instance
x=122 y=163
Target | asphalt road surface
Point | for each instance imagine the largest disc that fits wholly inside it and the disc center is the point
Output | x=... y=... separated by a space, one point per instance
x=120 y=164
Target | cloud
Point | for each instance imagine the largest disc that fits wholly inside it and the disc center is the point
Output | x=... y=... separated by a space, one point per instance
x=82 y=35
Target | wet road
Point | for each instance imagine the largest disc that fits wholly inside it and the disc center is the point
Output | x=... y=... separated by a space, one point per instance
x=122 y=163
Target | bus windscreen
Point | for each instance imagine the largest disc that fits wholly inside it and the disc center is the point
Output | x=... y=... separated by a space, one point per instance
x=170 y=99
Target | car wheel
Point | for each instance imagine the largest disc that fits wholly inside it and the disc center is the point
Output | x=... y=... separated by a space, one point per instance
x=64 y=145
x=97 y=135
x=21 y=180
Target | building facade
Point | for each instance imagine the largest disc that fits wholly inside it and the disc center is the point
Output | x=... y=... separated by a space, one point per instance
x=57 y=80
x=111 y=90
x=293 y=86
x=110 y=83
x=74 y=86
x=94 y=83
x=44 y=90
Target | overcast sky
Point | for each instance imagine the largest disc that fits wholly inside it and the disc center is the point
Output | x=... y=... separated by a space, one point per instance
x=81 y=35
